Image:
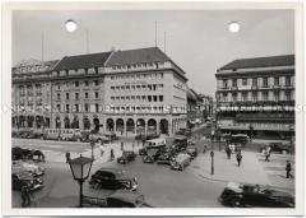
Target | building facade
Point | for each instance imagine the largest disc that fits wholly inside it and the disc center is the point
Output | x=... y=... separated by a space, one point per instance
x=133 y=91
x=257 y=96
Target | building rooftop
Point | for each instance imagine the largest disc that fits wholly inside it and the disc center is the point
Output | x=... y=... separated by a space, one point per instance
x=272 y=61
x=136 y=56
x=83 y=61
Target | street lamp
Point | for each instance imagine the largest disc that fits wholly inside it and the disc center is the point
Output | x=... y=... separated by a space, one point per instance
x=80 y=168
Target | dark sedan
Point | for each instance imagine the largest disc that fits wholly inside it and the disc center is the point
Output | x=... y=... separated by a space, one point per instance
x=127 y=156
x=111 y=178
x=248 y=195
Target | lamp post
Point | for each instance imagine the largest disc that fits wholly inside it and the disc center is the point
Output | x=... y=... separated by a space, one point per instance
x=80 y=168
x=212 y=168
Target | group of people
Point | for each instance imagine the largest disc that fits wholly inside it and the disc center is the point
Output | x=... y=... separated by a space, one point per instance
x=234 y=149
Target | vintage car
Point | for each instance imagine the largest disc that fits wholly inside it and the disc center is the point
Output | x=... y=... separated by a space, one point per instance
x=180 y=143
x=52 y=134
x=26 y=178
x=192 y=151
x=279 y=147
x=22 y=166
x=111 y=136
x=151 y=155
x=111 y=178
x=153 y=143
x=250 y=195
x=166 y=156
x=180 y=162
x=115 y=199
x=127 y=156
x=99 y=138
x=71 y=135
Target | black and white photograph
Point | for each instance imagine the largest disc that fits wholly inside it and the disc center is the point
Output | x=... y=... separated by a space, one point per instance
x=153 y=108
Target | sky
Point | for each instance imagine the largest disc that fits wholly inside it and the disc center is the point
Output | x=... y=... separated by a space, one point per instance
x=197 y=40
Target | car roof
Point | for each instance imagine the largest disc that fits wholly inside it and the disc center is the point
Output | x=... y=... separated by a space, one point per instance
x=119 y=173
x=180 y=137
x=157 y=140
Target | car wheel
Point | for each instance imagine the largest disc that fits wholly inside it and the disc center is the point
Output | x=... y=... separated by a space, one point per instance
x=235 y=202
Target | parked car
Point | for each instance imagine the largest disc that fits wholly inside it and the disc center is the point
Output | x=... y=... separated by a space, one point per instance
x=52 y=134
x=22 y=166
x=181 y=161
x=119 y=198
x=111 y=136
x=127 y=156
x=192 y=151
x=180 y=143
x=151 y=155
x=71 y=135
x=126 y=199
x=280 y=148
x=153 y=143
x=166 y=156
x=111 y=178
x=20 y=178
x=250 y=195
x=98 y=138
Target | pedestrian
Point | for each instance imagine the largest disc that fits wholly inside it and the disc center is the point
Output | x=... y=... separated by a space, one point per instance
x=228 y=152
x=25 y=194
x=101 y=151
x=267 y=155
x=122 y=146
x=133 y=146
x=67 y=157
x=112 y=156
x=239 y=158
x=204 y=148
x=288 y=170
x=143 y=142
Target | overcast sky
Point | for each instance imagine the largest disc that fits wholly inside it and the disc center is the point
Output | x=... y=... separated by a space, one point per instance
x=198 y=41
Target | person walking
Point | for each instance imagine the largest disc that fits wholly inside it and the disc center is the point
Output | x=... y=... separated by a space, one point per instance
x=122 y=146
x=112 y=156
x=228 y=152
x=239 y=158
x=67 y=157
x=288 y=170
x=25 y=194
x=267 y=155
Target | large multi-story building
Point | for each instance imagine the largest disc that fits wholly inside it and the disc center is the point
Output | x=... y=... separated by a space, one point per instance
x=257 y=95
x=130 y=91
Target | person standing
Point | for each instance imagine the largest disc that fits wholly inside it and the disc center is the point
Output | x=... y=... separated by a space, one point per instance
x=228 y=152
x=112 y=156
x=25 y=194
x=239 y=158
x=267 y=155
x=67 y=157
x=122 y=146
x=288 y=170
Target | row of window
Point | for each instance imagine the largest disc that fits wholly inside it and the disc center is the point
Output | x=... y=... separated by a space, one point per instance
x=255 y=82
x=138 y=76
x=144 y=98
x=77 y=95
x=77 y=84
x=143 y=87
x=76 y=108
x=255 y=96
x=148 y=109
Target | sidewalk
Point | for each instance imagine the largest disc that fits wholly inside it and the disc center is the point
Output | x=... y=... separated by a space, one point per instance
x=226 y=170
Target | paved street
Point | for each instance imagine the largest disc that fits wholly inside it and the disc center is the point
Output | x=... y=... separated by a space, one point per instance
x=162 y=187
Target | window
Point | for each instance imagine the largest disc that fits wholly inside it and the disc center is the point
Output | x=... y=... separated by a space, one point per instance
x=77 y=108
x=265 y=82
x=97 y=108
x=112 y=77
x=254 y=82
x=67 y=96
x=234 y=83
x=58 y=107
x=77 y=96
x=154 y=87
x=244 y=82
x=254 y=96
x=265 y=96
x=161 y=98
x=225 y=83
x=288 y=95
x=67 y=108
x=96 y=94
x=76 y=83
x=58 y=86
x=150 y=98
x=96 y=82
x=86 y=94
x=276 y=95
x=244 y=96
x=276 y=81
x=58 y=96
x=86 y=107
x=86 y=83
x=234 y=96
x=287 y=81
